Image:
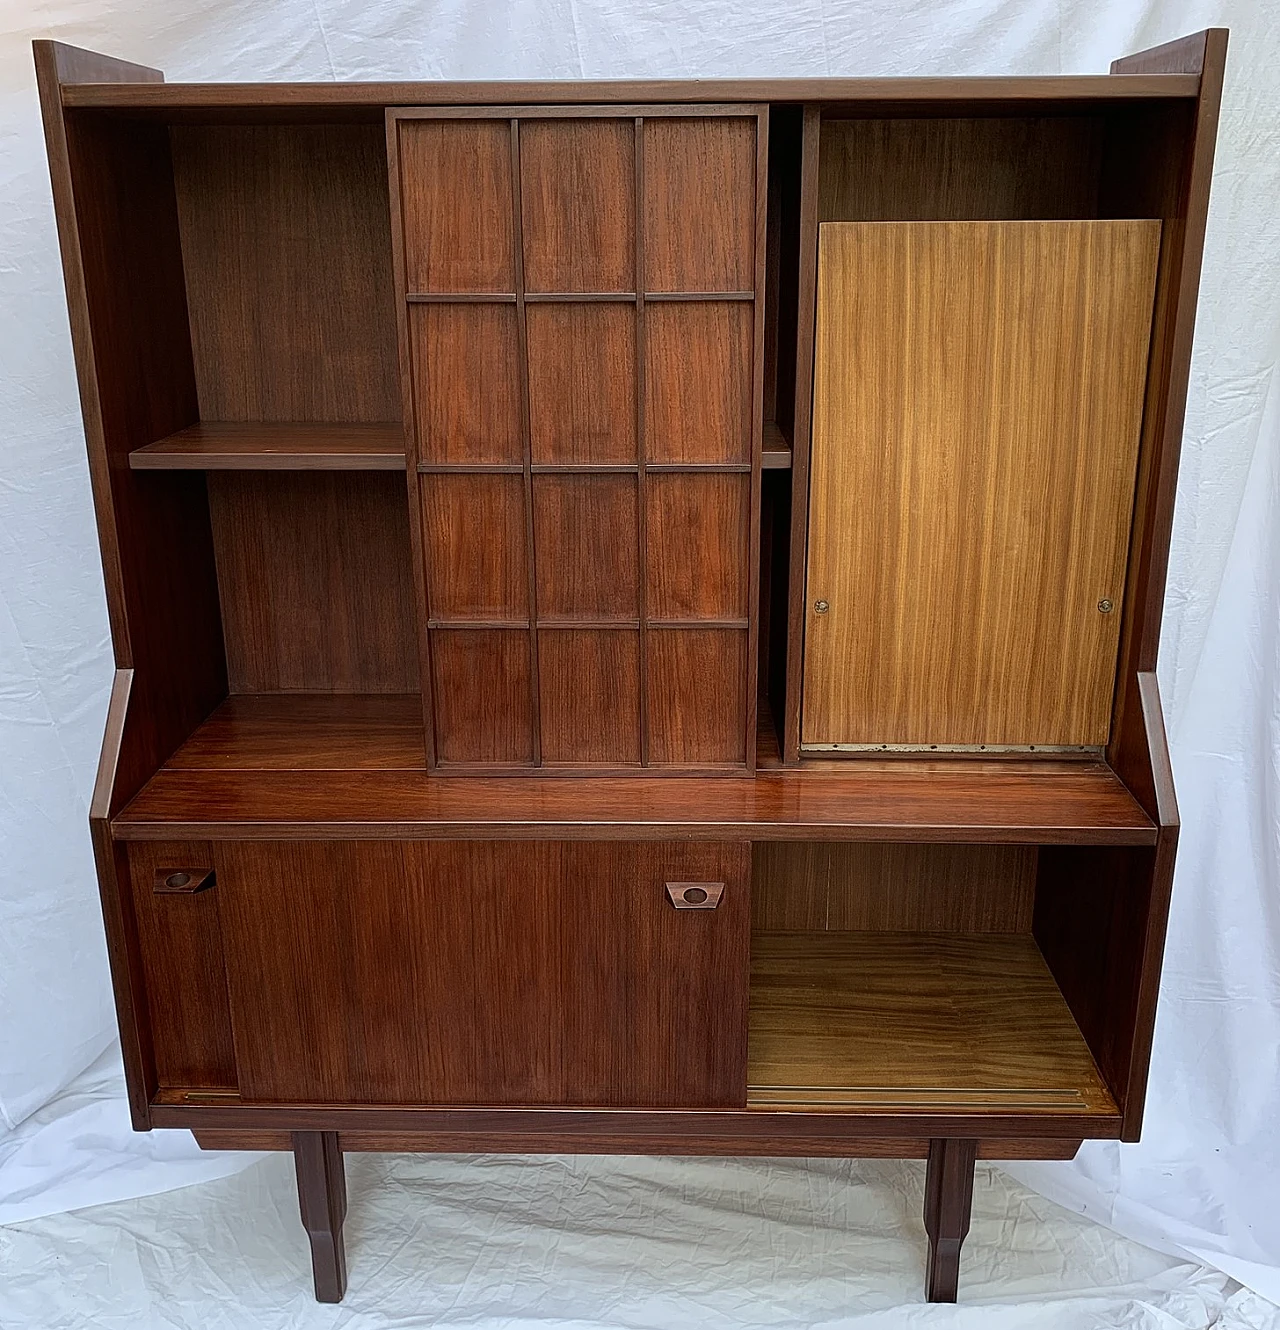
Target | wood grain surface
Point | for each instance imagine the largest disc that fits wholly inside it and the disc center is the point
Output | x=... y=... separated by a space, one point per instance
x=972 y=378
x=589 y=682
x=893 y=888
x=482 y=682
x=476 y=551
x=696 y=530
x=455 y=197
x=260 y=446
x=313 y=577
x=584 y=533
x=286 y=244
x=437 y=973
x=928 y=1020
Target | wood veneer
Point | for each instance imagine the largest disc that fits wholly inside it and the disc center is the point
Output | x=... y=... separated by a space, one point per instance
x=998 y=369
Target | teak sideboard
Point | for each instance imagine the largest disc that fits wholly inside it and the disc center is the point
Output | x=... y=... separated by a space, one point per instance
x=635 y=606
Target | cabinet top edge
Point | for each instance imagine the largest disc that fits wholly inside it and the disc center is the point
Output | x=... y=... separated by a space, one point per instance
x=980 y=92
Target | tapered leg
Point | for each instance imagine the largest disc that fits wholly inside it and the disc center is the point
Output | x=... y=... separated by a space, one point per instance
x=322 y=1198
x=948 y=1195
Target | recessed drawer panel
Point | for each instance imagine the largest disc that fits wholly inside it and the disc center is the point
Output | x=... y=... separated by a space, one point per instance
x=465 y=972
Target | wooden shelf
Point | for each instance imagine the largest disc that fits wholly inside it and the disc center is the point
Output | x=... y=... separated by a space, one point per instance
x=336 y=766
x=776 y=453
x=266 y=446
x=902 y=1022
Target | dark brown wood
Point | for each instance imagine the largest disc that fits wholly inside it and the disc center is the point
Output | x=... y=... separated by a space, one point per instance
x=1055 y=92
x=696 y=683
x=1022 y=803
x=455 y=193
x=648 y=1130
x=286 y=245
x=579 y=205
x=698 y=381
x=490 y=725
x=582 y=382
x=477 y=553
x=948 y=1197
x=802 y=415
x=466 y=382
x=322 y=1199
x=905 y=1147
x=586 y=561
x=314 y=581
x=590 y=696
x=697 y=531
x=260 y=446
x=1163 y=167
x=180 y=945
x=472 y=973
x=815 y=886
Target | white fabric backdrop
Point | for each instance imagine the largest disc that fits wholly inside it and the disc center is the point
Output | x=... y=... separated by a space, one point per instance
x=1204 y=1179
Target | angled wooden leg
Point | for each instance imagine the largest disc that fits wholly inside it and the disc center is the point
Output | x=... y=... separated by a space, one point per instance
x=322 y=1198
x=948 y=1195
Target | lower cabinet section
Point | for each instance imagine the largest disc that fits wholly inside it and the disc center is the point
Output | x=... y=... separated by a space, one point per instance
x=515 y=973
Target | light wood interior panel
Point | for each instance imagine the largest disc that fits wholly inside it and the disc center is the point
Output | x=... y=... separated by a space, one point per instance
x=314 y=581
x=577 y=194
x=286 y=247
x=977 y=402
x=456 y=200
x=956 y=169
x=889 y=887
x=929 y=1022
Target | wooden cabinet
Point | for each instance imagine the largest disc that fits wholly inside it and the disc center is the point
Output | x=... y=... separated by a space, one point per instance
x=528 y=514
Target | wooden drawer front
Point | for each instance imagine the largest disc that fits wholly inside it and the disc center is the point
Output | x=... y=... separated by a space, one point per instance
x=180 y=938
x=467 y=972
x=584 y=353
x=978 y=392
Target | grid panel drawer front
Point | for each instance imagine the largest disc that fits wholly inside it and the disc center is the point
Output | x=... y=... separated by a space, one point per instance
x=586 y=407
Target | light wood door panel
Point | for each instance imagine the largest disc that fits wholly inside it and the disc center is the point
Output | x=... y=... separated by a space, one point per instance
x=456 y=972
x=977 y=402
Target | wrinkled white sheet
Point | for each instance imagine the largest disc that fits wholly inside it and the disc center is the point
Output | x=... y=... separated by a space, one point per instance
x=1204 y=1180
x=649 y=1244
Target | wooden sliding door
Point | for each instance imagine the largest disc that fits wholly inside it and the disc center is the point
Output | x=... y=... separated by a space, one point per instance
x=582 y=345
x=977 y=401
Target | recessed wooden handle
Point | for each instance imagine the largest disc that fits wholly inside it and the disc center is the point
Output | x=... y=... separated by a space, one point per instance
x=695 y=895
x=183 y=881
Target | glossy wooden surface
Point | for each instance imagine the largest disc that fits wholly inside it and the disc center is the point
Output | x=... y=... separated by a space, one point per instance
x=1025 y=431
x=313 y=581
x=286 y=248
x=816 y=886
x=251 y=770
x=322 y=1200
x=472 y=973
x=180 y=940
x=926 y=1021
x=263 y=446
x=948 y=1195
x=1059 y=92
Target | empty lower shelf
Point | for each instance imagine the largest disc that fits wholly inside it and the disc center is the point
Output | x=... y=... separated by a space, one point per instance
x=271 y=446
x=914 y=1022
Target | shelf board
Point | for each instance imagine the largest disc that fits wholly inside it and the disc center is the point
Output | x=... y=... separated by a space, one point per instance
x=907 y=1022
x=776 y=452
x=335 y=766
x=268 y=446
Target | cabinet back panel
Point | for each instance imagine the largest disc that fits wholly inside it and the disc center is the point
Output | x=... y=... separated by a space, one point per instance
x=807 y=886
x=977 y=404
x=960 y=169
x=313 y=576
x=286 y=243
